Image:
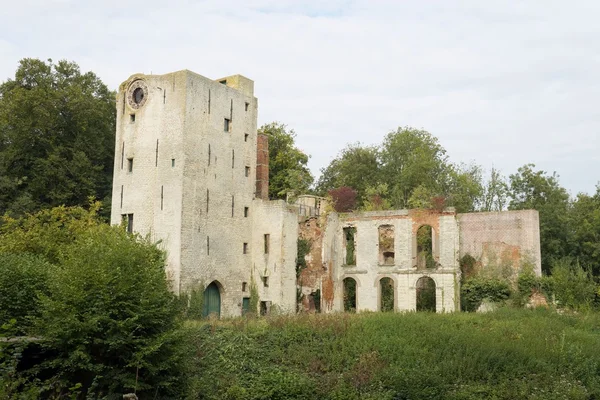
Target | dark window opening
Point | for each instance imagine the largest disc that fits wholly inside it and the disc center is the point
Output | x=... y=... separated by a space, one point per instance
x=138 y=95
x=349 y=295
x=128 y=222
x=207 y=199
x=209 y=154
x=267 y=239
x=386 y=245
x=156 y=157
x=247 y=171
x=425 y=258
x=265 y=307
x=246 y=211
x=122 y=154
x=227 y=125
x=350 y=244
x=121 y=196
x=246 y=137
x=172 y=163
x=265 y=281
x=232 y=205
x=426 y=294
x=244 y=286
x=246 y=105
x=132 y=118
x=386 y=286
x=130 y=165
x=232 y=158
x=223 y=82
x=208 y=245
x=245 y=250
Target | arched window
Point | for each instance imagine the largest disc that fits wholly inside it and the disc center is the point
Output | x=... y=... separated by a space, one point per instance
x=349 y=295
x=425 y=258
x=426 y=294
x=386 y=290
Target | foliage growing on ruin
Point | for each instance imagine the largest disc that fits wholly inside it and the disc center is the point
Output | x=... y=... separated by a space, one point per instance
x=477 y=289
x=288 y=171
x=254 y=297
x=196 y=301
x=304 y=246
x=57 y=129
x=467 y=263
x=387 y=294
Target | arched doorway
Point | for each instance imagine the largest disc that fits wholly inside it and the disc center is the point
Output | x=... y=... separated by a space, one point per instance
x=386 y=290
x=426 y=294
x=212 y=301
x=349 y=295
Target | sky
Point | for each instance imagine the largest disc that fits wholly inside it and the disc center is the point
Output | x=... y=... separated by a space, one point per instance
x=499 y=83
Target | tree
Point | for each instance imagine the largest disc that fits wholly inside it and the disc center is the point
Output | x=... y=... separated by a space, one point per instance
x=57 y=130
x=585 y=226
x=101 y=305
x=288 y=172
x=495 y=192
x=356 y=166
x=530 y=189
x=343 y=199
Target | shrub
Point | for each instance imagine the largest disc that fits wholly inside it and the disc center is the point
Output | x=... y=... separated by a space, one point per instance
x=573 y=287
x=475 y=290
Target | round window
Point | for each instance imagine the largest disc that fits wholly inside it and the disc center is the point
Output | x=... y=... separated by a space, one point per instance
x=138 y=95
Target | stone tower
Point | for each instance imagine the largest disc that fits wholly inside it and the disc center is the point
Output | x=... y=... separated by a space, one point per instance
x=186 y=175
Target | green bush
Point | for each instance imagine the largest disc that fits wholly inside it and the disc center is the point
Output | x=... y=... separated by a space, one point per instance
x=22 y=278
x=477 y=289
x=573 y=287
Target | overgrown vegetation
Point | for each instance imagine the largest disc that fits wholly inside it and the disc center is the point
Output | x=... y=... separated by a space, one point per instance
x=304 y=246
x=95 y=306
x=509 y=354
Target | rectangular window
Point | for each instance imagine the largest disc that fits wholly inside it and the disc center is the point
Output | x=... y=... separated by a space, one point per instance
x=130 y=165
x=265 y=281
x=244 y=286
x=265 y=307
x=350 y=244
x=245 y=248
x=156 y=157
x=232 y=205
x=232 y=158
x=132 y=118
x=386 y=245
x=122 y=154
x=246 y=105
x=208 y=245
x=207 y=199
x=121 y=196
x=227 y=125
x=246 y=212
x=247 y=171
x=209 y=154
x=246 y=137
x=267 y=238
x=128 y=222
x=172 y=163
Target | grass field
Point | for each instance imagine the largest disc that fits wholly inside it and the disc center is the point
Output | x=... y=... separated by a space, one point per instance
x=508 y=354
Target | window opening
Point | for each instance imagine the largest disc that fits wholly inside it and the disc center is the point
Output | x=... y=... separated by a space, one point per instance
x=247 y=171
x=122 y=154
x=267 y=238
x=386 y=245
x=350 y=239
x=161 y=197
x=349 y=295
x=132 y=117
x=130 y=165
x=224 y=82
x=232 y=158
x=121 y=196
x=207 y=199
x=172 y=163
x=425 y=257
x=265 y=281
x=156 y=157
x=246 y=105
x=246 y=137
x=265 y=307
x=227 y=125
x=246 y=211
x=232 y=205
x=244 y=286
x=128 y=221
x=245 y=250
x=208 y=245
x=386 y=286
x=426 y=294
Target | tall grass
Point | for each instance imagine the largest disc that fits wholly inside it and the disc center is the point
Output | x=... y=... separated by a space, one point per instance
x=508 y=354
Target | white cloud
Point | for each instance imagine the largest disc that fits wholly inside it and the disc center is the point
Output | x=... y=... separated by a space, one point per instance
x=497 y=82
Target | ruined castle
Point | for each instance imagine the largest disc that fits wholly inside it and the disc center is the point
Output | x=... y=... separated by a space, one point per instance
x=191 y=173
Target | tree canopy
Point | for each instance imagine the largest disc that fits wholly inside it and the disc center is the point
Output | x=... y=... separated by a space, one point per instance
x=57 y=128
x=288 y=171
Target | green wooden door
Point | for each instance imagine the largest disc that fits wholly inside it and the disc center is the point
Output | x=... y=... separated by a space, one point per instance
x=212 y=301
x=245 y=305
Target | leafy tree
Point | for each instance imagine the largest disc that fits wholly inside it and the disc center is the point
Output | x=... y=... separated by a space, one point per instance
x=343 y=199
x=495 y=192
x=585 y=225
x=56 y=137
x=356 y=166
x=107 y=318
x=288 y=172
x=530 y=189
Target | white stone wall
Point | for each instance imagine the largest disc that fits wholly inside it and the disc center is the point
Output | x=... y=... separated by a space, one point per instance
x=368 y=271
x=280 y=222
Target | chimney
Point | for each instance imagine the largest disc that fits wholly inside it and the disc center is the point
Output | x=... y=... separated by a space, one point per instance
x=262 y=167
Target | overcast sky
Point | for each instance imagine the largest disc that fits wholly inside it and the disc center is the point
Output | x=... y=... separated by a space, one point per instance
x=500 y=83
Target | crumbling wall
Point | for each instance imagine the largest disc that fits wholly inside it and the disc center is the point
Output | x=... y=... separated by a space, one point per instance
x=505 y=238
x=310 y=277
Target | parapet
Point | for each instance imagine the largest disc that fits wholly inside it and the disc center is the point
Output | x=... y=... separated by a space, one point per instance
x=240 y=83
